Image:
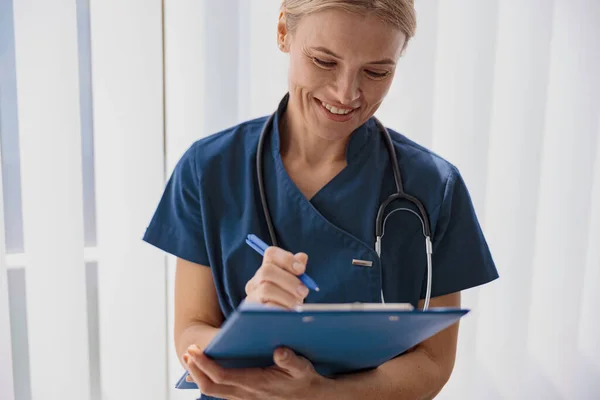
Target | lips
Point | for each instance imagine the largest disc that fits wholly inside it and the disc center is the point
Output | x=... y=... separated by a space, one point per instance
x=336 y=112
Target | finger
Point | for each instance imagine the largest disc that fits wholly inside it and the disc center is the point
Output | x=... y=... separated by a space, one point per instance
x=293 y=364
x=268 y=292
x=206 y=385
x=237 y=377
x=302 y=258
x=271 y=273
x=252 y=299
x=296 y=264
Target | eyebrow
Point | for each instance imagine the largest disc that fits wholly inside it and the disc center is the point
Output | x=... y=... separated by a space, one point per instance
x=331 y=53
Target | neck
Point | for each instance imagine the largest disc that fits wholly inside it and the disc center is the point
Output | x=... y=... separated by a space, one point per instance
x=299 y=143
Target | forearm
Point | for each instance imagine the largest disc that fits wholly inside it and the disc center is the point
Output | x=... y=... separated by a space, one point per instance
x=199 y=333
x=414 y=375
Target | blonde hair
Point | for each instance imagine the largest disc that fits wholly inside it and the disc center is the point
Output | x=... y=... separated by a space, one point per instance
x=398 y=13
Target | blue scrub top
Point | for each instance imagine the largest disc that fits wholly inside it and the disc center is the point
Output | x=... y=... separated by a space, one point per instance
x=211 y=202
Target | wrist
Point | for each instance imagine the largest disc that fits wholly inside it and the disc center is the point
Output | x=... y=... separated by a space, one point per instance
x=322 y=388
x=200 y=334
x=360 y=385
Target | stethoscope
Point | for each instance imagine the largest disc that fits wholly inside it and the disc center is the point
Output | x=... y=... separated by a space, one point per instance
x=380 y=220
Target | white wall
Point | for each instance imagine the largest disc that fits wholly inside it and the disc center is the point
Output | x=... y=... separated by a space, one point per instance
x=507 y=90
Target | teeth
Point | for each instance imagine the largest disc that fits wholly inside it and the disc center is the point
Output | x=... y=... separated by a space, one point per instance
x=335 y=110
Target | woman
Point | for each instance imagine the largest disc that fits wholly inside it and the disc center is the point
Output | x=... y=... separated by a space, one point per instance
x=326 y=169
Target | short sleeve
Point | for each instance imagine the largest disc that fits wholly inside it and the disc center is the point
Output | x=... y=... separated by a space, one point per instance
x=176 y=226
x=461 y=256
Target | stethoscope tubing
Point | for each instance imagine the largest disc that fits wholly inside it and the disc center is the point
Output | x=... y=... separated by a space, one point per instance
x=380 y=219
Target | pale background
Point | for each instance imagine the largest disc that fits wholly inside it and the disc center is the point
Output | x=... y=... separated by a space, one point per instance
x=99 y=98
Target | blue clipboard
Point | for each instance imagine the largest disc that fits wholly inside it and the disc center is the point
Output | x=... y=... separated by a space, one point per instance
x=336 y=338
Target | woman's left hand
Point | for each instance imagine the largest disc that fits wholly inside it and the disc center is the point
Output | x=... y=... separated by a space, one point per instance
x=292 y=377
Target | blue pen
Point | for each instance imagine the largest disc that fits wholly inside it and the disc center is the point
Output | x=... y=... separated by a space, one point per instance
x=260 y=247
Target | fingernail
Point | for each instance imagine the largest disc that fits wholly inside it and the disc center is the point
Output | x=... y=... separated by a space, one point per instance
x=283 y=354
x=193 y=349
x=186 y=358
x=302 y=290
x=189 y=379
x=297 y=266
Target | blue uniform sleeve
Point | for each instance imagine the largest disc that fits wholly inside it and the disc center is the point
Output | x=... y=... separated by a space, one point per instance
x=176 y=226
x=461 y=256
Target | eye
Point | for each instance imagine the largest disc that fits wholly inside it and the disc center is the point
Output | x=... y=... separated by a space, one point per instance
x=377 y=75
x=322 y=63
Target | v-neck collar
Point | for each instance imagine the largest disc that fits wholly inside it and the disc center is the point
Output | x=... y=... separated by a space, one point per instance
x=336 y=224
x=366 y=160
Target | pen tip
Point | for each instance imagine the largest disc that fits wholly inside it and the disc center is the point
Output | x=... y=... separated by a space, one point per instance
x=317 y=289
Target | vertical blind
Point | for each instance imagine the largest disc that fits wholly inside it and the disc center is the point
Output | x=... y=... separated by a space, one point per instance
x=6 y=371
x=99 y=99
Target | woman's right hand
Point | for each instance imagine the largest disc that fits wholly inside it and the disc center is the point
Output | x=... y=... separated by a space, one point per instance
x=276 y=281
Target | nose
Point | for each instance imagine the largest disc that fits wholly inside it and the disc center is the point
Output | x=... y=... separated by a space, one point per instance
x=347 y=88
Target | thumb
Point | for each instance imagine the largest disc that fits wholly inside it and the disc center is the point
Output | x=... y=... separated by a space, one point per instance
x=301 y=257
x=291 y=363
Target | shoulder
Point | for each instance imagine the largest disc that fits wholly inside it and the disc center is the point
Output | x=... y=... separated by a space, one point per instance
x=234 y=145
x=420 y=165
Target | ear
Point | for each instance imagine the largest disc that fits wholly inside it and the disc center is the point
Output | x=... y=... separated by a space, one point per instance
x=282 y=33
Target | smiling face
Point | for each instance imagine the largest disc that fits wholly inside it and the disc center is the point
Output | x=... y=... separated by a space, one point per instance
x=341 y=68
